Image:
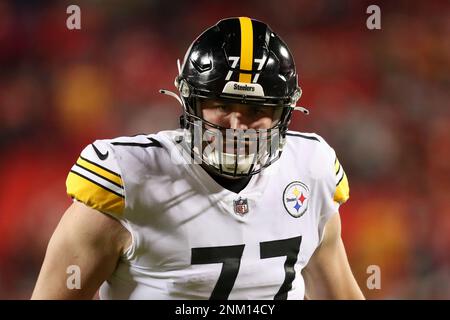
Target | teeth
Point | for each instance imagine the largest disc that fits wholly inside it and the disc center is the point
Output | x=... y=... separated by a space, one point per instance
x=243 y=162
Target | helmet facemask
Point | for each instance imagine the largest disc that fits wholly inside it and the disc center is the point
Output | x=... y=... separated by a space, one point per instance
x=231 y=151
x=239 y=61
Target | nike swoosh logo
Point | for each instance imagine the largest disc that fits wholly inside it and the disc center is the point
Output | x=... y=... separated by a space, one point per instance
x=102 y=156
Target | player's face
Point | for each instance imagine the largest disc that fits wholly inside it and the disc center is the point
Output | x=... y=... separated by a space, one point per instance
x=240 y=116
x=243 y=126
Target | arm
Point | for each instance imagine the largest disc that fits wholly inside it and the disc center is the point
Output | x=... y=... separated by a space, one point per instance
x=328 y=274
x=86 y=238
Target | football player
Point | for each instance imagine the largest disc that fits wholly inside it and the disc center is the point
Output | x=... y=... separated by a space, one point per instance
x=231 y=206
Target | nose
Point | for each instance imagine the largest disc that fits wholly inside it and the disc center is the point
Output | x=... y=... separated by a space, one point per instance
x=238 y=121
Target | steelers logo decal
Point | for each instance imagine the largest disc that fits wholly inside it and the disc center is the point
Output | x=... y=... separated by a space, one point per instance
x=296 y=198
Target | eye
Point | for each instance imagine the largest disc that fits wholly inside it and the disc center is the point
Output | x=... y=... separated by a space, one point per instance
x=263 y=111
x=221 y=108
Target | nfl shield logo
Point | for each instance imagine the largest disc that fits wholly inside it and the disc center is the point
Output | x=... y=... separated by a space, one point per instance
x=240 y=206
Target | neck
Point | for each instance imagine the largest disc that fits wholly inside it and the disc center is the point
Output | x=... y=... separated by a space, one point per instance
x=235 y=184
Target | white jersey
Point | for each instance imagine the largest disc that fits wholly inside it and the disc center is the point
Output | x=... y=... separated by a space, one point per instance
x=194 y=239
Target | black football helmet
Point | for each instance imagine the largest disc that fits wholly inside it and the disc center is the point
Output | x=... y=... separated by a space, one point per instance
x=238 y=60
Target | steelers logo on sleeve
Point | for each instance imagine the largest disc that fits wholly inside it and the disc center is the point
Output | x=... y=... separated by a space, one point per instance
x=295 y=198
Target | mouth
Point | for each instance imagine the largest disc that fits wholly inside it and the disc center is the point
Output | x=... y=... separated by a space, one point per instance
x=233 y=146
x=241 y=143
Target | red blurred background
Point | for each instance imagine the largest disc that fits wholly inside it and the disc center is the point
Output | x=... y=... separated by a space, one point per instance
x=379 y=97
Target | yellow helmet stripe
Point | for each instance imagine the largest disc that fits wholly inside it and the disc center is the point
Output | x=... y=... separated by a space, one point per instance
x=246 y=49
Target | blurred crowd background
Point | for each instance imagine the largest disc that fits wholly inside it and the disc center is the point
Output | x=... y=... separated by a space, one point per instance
x=379 y=97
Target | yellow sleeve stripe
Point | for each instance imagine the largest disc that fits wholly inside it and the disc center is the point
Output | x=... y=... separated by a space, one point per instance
x=342 y=192
x=337 y=166
x=95 y=183
x=95 y=176
x=100 y=171
x=93 y=194
x=246 y=49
